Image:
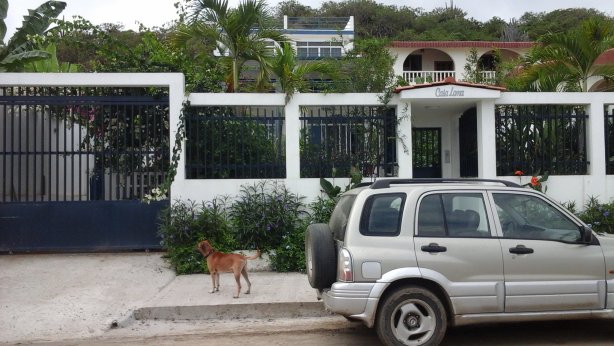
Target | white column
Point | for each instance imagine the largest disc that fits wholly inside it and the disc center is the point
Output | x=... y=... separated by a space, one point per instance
x=487 y=155
x=595 y=149
x=175 y=99
x=404 y=145
x=293 y=137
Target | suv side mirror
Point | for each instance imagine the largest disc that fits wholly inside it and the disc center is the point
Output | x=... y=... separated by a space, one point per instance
x=586 y=235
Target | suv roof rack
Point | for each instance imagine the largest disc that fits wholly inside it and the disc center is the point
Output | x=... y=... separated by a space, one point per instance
x=385 y=183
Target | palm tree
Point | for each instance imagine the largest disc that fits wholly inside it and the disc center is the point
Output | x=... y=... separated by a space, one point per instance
x=293 y=76
x=565 y=61
x=240 y=34
x=20 y=49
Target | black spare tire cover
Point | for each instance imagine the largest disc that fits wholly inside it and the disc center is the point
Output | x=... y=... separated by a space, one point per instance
x=320 y=256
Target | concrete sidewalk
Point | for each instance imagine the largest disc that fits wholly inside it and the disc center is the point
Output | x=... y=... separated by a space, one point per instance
x=72 y=296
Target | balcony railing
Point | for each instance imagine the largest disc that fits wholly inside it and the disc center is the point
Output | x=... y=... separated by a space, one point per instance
x=419 y=77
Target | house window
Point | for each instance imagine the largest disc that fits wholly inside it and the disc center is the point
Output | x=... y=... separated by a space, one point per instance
x=413 y=63
x=536 y=139
x=444 y=66
x=314 y=50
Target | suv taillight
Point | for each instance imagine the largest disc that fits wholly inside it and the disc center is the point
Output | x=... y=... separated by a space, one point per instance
x=344 y=266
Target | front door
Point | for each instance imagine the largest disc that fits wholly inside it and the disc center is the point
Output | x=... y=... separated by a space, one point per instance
x=450 y=227
x=468 y=143
x=426 y=152
x=546 y=267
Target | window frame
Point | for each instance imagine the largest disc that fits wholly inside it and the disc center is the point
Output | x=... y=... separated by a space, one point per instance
x=365 y=215
x=565 y=213
x=487 y=208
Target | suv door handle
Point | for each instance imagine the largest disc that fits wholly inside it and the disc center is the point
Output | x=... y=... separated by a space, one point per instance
x=521 y=250
x=433 y=247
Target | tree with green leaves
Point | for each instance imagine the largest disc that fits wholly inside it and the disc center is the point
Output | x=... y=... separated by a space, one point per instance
x=557 y=21
x=51 y=64
x=565 y=61
x=368 y=67
x=21 y=49
x=293 y=8
x=292 y=76
x=241 y=34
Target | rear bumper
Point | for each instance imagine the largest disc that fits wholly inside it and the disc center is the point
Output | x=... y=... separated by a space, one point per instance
x=354 y=300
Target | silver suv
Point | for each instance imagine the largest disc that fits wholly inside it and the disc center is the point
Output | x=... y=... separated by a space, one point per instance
x=411 y=257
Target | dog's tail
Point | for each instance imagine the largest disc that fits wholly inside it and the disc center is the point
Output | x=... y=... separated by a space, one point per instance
x=254 y=256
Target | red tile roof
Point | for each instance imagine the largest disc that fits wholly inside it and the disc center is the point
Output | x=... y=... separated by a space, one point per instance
x=460 y=44
x=449 y=81
x=606 y=57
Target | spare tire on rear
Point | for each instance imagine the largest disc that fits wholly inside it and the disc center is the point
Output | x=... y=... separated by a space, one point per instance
x=320 y=256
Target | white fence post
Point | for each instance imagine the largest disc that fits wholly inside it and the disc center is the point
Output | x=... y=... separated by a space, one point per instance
x=292 y=113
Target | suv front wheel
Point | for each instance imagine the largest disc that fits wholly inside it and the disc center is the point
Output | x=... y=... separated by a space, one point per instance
x=411 y=316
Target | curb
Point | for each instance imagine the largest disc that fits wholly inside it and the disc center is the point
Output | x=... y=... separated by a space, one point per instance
x=232 y=311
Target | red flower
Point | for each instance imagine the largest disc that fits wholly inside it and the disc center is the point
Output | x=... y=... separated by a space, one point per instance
x=534 y=181
x=519 y=173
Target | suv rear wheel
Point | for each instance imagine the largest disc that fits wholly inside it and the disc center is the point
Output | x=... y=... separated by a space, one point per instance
x=321 y=258
x=411 y=316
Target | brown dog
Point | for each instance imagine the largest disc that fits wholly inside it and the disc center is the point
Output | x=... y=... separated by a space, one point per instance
x=226 y=262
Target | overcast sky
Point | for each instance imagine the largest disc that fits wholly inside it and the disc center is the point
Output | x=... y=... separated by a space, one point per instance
x=158 y=12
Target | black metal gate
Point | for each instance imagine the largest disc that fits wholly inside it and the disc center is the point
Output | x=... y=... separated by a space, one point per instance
x=75 y=163
x=426 y=152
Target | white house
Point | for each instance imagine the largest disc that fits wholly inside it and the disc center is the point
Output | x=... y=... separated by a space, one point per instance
x=434 y=61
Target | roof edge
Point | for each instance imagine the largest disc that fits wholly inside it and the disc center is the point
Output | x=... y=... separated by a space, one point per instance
x=449 y=81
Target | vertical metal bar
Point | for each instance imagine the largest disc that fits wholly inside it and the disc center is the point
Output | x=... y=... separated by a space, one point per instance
x=4 y=148
x=79 y=121
x=144 y=140
x=19 y=129
x=246 y=169
x=57 y=159
x=133 y=134
x=73 y=126
x=49 y=154
x=155 y=143
x=196 y=140
x=118 y=152
x=89 y=126
x=103 y=151
x=607 y=134
x=34 y=173
x=27 y=142
x=64 y=151
x=128 y=160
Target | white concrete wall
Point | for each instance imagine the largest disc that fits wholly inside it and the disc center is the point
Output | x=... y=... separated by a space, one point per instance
x=207 y=189
x=561 y=188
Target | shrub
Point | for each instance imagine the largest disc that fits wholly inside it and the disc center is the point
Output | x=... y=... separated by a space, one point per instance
x=290 y=255
x=263 y=214
x=321 y=210
x=184 y=224
x=599 y=216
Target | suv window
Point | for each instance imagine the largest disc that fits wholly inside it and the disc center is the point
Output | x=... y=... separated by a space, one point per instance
x=381 y=215
x=453 y=215
x=339 y=217
x=529 y=217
